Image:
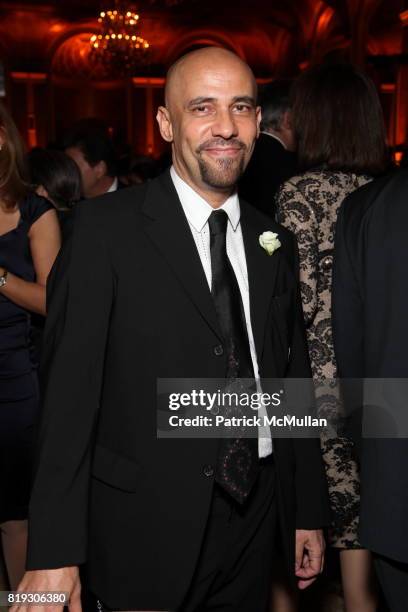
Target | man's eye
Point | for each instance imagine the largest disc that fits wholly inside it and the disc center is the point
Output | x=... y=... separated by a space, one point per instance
x=200 y=109
x=242 y=108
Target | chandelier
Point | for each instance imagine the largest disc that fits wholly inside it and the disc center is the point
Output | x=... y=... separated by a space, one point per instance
x=119 y=47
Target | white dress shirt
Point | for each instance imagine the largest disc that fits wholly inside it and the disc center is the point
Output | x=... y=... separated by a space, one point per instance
x=197 y=211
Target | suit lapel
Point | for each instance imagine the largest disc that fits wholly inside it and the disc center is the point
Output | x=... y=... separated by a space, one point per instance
x=168 y=229
x=262 y=272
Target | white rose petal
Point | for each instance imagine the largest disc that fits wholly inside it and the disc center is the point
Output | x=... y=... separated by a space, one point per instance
x=269 y=241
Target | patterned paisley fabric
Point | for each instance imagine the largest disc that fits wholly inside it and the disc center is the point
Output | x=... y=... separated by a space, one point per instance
x=308 y=205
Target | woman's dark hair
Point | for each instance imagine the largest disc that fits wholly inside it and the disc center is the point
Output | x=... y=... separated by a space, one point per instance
x=58 y=174
x=338 y=120
x=13 y=185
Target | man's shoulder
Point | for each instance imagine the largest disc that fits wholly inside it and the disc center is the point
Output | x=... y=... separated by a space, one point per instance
x=269 y=142
x=112 y=204
x=387 y=192
x=109 y=214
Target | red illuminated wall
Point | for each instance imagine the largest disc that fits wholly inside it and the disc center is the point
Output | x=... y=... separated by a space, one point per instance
x=51 y=82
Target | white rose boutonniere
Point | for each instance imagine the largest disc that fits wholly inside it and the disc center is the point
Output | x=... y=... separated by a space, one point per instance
x=269 y=241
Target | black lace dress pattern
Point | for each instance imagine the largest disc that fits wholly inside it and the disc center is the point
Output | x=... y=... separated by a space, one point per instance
x=308 y=205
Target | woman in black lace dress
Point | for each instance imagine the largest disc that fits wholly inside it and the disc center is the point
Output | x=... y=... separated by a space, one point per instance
x=29 y=242
x=341 y=146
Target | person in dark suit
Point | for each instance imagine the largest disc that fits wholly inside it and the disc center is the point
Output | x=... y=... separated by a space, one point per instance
x=172 y=282
x=274 y=159
x=370 y=329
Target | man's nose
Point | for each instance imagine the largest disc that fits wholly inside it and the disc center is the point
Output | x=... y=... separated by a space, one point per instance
x=224 y=125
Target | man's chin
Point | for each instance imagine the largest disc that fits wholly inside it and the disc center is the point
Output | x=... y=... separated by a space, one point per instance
x=223 y=173
x=226 y=183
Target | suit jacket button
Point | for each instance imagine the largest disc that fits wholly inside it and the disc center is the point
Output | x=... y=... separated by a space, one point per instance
x=208 y=471
x=218 y=350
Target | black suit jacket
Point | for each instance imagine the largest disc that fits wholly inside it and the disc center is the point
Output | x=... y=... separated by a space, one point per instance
x=270 y=166
x=370 y=326
x=130 y=303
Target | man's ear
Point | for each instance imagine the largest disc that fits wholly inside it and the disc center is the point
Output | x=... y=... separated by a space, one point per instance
x=165 y=125
x=258 y=120
x=287 y=120
x=101 y=169
x=41 y=191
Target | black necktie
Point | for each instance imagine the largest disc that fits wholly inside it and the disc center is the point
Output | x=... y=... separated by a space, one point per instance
x=237 y=463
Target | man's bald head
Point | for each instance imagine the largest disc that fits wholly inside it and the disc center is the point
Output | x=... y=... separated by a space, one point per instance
x=210 y=118
x=201 y=59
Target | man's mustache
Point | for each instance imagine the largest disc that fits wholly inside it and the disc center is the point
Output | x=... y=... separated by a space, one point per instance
x=221 y=143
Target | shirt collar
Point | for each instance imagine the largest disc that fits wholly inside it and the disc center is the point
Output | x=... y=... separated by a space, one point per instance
x=275 y=137
x=114 y=185
x=197 y=210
